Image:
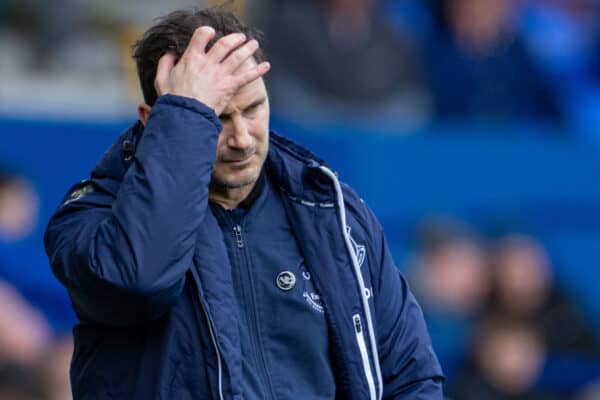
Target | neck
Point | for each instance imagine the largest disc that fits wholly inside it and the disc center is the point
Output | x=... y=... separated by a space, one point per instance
x=229 y=198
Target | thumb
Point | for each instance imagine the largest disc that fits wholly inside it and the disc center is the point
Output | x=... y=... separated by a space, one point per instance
x=165 y=65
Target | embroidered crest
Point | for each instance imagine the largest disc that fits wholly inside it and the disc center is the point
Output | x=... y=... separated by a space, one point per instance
x=309 y=291
x=359 y=249
x=81 y=190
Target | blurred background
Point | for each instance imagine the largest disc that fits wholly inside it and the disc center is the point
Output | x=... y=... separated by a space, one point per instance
x=471 y=127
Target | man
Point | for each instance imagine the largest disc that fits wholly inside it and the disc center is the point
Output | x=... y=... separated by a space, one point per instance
x=209 y=259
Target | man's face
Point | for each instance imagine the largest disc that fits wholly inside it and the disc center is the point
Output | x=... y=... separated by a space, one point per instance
x=244 y=141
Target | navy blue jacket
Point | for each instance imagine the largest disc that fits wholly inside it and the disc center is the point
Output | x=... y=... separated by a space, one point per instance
x=144 y=262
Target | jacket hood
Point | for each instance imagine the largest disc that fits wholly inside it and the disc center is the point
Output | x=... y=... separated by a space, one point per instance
x=116 y=160
x=298 y=171
x=293 y=168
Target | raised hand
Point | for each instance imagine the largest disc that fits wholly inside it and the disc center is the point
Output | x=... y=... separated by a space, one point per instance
x=209 y=77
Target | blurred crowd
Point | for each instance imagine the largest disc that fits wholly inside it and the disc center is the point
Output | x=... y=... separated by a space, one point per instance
x=499 y=321
x=34 y=359
x=402 y=63
x=501 y=325
x=428 y=61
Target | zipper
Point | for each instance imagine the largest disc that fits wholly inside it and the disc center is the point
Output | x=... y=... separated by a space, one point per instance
x=214 y=341
x=362 y=346
x=375 y=395
x=242 y=260
x=237 y=233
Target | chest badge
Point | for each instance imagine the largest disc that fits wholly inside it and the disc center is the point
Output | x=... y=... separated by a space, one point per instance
x=359 y=249
x=286 y=280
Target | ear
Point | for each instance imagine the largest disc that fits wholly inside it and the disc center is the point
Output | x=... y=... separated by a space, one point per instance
x=144 y=112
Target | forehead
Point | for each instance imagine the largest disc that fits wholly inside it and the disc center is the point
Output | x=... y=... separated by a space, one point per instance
x=250 y=92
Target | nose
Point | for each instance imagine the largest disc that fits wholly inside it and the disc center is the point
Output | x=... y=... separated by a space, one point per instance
x=239 y=137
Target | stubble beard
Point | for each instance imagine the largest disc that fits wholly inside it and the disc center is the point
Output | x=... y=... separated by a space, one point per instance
x=220 y=185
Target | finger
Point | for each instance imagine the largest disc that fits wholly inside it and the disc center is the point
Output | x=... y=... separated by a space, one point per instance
x=165 y=65
x=236 y=58
x=200 y=39
x=224 y=46
x=253 y=74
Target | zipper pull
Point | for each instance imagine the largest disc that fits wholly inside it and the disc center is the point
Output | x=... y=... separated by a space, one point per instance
x=237 y=232
x=357 y=324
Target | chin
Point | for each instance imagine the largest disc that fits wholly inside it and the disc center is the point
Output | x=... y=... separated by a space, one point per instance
x=235 y=181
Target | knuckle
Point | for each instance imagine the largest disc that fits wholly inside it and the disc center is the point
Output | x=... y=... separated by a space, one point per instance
x=239 y=55
x=232 y=40
x=249 y=49
x=158 y=86
x=229 y=41
x=220 y=45
x=241 y=79
x=232 y=83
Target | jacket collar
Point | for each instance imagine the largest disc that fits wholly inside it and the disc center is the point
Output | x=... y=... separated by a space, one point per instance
x=296 y=170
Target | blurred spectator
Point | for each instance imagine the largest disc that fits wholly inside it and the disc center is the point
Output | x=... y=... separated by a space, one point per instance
x=54 y=370
x=24 y=332
x=523 y=288
x=19 y=206
x=507 y=361
x=25 y=336
x=479 y=67
x=452 y=275
x=21 y=266
x=32 y=366
x=45 y=378
x=341 y=57
x=451 y=281
x=563 y=37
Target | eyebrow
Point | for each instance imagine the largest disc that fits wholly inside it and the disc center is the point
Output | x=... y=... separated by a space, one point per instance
x=251 y=105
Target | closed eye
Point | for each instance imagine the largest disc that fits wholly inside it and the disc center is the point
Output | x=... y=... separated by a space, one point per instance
x=252 y=108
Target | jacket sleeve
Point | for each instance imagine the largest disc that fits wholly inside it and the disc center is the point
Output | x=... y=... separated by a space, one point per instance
x=123 y=256
x=409 y=366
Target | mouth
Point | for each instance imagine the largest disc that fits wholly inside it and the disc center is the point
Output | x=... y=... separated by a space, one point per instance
x=240 y=161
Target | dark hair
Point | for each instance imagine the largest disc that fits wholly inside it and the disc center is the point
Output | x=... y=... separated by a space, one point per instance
x=174 y=31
